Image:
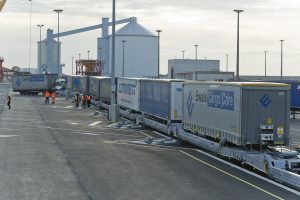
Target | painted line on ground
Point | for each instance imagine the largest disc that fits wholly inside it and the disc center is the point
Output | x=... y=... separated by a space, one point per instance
x=164 y=136
x=231 y=175
x=69 y=107
x=93 y=134
x=95 y=123
x=8 y=136
x=149 y=136
x=250 y=173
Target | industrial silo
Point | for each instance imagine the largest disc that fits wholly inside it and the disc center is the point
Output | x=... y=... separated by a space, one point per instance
x=140 y=51
x=47 y=55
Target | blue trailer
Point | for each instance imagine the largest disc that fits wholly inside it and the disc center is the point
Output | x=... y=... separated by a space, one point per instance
x=295 y=95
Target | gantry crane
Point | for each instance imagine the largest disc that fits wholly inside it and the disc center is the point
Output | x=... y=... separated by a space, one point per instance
x=2 y=2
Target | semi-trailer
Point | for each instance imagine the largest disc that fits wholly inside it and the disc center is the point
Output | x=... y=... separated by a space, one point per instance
x=33 y=83
x=99 y=88
x=161 y=103
x=243 y=114
x=128 y=94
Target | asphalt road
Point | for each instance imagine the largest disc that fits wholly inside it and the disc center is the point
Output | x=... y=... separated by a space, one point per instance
x=61 y=152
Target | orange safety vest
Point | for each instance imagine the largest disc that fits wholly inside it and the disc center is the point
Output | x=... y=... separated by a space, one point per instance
x=88 y=97
x=82 y=98
x=47 y=94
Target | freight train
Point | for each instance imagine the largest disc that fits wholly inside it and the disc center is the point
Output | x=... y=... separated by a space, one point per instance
x=243 y=121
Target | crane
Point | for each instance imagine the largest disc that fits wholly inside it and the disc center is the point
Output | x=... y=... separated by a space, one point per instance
x=2 y=2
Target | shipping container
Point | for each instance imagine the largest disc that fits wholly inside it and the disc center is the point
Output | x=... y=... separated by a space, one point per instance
x=241 y=113
x=33 y=83
x=128 y=93
x=100 y=87
x=162 y=98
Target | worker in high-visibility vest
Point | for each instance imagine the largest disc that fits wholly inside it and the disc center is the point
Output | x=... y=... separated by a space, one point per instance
x=53 y=97
x=47 y=95
x=83 y=100
x=77 y=99
x=88 y=98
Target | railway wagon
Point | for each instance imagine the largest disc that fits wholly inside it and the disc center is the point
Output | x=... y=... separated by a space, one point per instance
x=100 y=88
x=249 y=113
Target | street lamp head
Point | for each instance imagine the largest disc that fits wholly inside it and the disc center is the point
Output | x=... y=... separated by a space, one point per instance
x=158 y=30
x=40 y=25
x=238 y=11
x=196 y=45
x=58 y=10
x=123 y=41
x=281 y=40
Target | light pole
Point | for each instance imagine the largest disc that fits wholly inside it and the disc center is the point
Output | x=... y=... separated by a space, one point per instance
x=72 y=64
x=79 y=56
x=30 y=34
x=281 y=60
x=238 y=45
x=227 y=62
x=266 y=63
x=113 y=115
x=88 y=54
x=158 y=58
x=58 y=11
x=183 y=54
x=196 y=45
x=123 y=66
x=40 y=49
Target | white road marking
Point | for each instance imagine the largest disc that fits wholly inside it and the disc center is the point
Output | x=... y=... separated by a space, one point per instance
x=250 y=173
x=90 y=134
x=8 y=136
x=149 y=136
x=231 y=175
x=95 y=123
x=164 y=136
x=69 y=107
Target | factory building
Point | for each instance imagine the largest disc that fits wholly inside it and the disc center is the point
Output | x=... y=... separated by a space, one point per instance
x=140 y=51
x=179 y=66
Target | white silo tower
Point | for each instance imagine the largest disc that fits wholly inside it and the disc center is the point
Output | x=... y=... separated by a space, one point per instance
x=48 y=62
x=140 y=51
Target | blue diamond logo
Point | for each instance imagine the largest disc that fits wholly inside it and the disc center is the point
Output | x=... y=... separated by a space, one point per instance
x=18 y=82
x=190 y=104
x=77 y=82
x=265 y=101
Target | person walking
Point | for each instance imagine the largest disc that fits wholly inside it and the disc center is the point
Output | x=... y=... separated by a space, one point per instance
x=77 y=100
x=47 y=95
x=8 y=101
x=88 y=97
x=53 y=97
x=83 y=101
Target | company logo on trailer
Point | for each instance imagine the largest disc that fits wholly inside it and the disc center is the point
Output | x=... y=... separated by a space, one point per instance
x=190 y=104
x=77 y=82
x=18 y=82
x=265 y=101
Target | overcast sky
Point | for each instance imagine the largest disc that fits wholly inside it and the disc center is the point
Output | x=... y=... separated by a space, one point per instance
x=209 y=23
